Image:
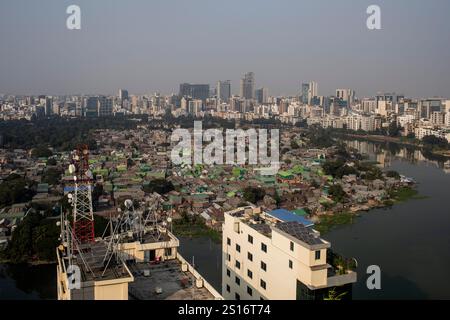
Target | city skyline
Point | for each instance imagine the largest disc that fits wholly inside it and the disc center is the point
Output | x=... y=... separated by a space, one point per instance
x=154 y=47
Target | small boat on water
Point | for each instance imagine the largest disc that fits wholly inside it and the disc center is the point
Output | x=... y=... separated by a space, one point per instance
x=408 y=180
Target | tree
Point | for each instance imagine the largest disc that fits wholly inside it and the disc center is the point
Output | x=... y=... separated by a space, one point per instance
x=52 y=176
x=41 y=152
x=160 y=186
x=394 y=129
x=15 y=189
x=393 y=174
x=433 y=141
x=253 y=195
x=333 y=295
x=34 y=238
x=337 y=193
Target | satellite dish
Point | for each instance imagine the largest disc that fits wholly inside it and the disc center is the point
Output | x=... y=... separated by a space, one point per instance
x=169 y=219
x=128 y=203
x=89 y=174
x=70 y=196
x=72 y=169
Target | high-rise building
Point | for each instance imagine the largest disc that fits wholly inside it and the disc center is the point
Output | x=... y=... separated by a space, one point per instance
x=224 y=90
x=278 y=256
x=262 y=95
x=104 y=107
x=305 y=93
x=48 y=106
x=91 y=107
x=123 y=95
x=247 y=89
x=428 y=106
x=195 y=91
x=309 y=90
x=347 y=95
x=195 y=107
x=313 y=90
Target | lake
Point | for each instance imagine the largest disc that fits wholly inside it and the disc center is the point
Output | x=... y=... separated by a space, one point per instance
x=410 y=242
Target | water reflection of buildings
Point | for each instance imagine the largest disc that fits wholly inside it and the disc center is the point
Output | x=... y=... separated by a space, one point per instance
x=385 y=153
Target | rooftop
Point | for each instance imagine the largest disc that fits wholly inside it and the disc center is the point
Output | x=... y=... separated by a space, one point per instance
x=165 y=281
x=300 y=232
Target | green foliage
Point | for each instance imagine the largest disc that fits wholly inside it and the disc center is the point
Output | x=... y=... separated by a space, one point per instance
x=319 y=137
x=393 y=174
x=35 y=238
x=52 y=176
x=60 y=133
x=253 y=195
x=15 y=189
x=337 y=193
x=194 y=226
x=160 y=186
x=338 y=168
x=41 y=152
x=435 y=142
x=333 y=295
x=394 y=129
x=327 y=222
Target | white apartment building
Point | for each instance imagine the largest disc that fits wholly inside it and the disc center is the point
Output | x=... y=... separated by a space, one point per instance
x=266 y=257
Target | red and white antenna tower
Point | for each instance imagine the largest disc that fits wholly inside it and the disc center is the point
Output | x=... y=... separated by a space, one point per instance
x=83 y=212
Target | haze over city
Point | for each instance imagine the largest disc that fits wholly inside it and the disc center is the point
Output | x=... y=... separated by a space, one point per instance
x=149 y=46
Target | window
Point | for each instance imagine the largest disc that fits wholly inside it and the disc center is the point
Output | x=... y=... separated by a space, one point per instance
x=250 y=239
x=292 y=246
x=228 y=272
x=238 y=248
x=250 y=274
x=318 y=255
x=168 y=252
x=228 y=288
x=238 y=264
x=229 y=241
x=263 y=284
x=291 y=264
x=263 y=266
x=238 y=281
x=250 y=256
x=249 y=291
x=264 y=247
x=237 y=296
x=229 y=257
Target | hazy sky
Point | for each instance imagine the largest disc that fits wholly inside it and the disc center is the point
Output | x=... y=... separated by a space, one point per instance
x=154 y=45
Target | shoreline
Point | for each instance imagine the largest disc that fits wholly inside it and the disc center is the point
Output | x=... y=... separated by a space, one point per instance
x=329 y=222
x=397 y=140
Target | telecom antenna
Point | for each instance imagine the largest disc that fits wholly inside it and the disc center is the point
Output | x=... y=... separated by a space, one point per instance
x=83 y=212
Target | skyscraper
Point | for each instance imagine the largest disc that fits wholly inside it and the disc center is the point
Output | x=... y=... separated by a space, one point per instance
x=123 y=94
x=224 y=90
x=248 y=86
x=347 y=95
x=262 y=95
x=91 y=107
x=104 y=107
x=195 y=91
x=313 y=90
x=309 y=90
x=305 y=92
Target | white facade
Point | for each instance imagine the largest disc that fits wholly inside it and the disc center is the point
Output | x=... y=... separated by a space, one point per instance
x=261 y=261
